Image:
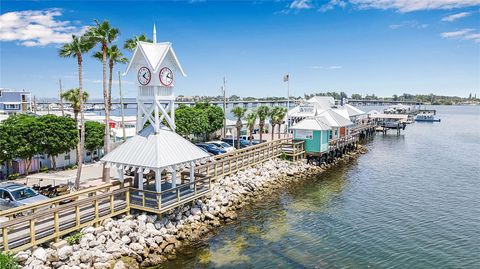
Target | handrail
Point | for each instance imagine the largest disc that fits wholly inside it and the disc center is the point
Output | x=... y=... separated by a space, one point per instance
x=58 y=199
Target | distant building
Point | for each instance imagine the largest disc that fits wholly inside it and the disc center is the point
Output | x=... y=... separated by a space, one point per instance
x=13 y=101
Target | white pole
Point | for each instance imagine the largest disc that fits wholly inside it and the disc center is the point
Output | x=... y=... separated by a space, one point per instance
x=288 y=104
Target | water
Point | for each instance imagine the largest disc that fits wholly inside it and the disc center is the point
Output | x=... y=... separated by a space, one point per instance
x=412 y=201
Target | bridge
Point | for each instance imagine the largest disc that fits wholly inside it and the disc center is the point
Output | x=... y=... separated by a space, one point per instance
x=30 y=225
x=131 y=103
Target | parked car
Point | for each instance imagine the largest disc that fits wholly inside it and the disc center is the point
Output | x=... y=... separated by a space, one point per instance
x=243 y=143
x=206 y=151
x=211 y=148
x=223 y=145
x=15 y=195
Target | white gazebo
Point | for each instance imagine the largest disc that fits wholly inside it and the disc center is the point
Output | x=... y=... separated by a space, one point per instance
x=156 y=147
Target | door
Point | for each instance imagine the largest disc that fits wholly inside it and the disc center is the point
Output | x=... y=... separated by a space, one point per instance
x=342 y=132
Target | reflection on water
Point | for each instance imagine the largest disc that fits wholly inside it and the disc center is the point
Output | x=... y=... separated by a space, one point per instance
x=413 y=201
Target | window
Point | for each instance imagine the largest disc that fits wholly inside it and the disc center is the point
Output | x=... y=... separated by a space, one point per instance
x=12 y=106
x=67 y=156
x=5 y=195
x=0 y=93
x=330 y=134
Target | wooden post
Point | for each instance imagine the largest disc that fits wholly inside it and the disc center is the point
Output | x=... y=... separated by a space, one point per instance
x=96 y=211
x=178 y=194
x=32 y=231
x=5 y=239
x=111 y=204
x=56 y=224
x=215 y=166
x=127 y=198
x=77 y=215
x=159 y=199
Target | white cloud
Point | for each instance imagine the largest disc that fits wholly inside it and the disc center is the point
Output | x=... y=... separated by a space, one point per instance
x=409 y=24
x=301 y=4
x=331 y=67
x=332 y=4
x=455 y=17
x=414 y=5
x=463 y=34
x=37 y=27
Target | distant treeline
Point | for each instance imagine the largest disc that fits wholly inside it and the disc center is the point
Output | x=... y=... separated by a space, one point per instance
x=425 y=98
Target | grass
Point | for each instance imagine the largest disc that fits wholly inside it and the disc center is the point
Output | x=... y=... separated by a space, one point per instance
x=7 y=261
x=73 y=239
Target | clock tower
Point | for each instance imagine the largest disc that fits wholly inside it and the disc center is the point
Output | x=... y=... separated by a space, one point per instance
x=156 y=69
x=155 y=148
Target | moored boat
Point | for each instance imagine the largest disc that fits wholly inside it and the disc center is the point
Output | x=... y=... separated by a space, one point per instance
x=429 y=117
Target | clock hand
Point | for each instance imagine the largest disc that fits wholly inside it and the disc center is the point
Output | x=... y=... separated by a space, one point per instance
x=144 y=75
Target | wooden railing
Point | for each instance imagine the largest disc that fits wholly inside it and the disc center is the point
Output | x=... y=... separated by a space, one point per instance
x=294 y=149
x=26 y=226
x=228 y=163
x=29 y=227
x=159 y=202
x=341 y=142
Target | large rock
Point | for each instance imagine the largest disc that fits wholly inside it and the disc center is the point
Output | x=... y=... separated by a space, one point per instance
x=112 y=247
x=126 y=240
x=101 y=265
x=22 y=256
x=40 y=254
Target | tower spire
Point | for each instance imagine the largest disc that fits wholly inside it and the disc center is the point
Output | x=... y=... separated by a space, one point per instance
x=154 y=34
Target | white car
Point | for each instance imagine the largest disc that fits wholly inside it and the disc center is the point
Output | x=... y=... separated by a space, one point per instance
x=222 y=145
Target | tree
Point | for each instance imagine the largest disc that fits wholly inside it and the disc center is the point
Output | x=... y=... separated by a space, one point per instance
x=251 y=119
x=356 y=96
x=7 y=145
x=25 y=134
x=262 y=113
x=131 y=44
x=277 y=114
x=215 y=117
x=73 y=97
x=114 y=56
x=76 y=48
x=190 y=120
x=59 y=135
x=104 y=34
x=93 y=135
x=239 y=113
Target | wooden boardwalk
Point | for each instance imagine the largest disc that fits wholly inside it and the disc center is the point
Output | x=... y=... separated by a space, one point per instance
x=30 y=225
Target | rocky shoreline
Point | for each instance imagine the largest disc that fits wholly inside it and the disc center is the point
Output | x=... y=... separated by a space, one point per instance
x=146 y=240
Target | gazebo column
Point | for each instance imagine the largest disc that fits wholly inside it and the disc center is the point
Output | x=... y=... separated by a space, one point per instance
x=121 y=177
x=174 y=176
x=192 y=173
x=140 y=178
x=158 y=180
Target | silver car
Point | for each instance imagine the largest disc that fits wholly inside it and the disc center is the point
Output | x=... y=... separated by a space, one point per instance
x=14 y=195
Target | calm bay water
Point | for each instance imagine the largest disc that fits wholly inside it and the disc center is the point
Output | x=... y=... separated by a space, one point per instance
x=413 y=201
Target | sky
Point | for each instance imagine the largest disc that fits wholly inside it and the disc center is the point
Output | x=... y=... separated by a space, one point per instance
x=383 y=47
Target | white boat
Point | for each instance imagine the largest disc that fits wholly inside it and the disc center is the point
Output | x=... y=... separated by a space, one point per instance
x=429 y=117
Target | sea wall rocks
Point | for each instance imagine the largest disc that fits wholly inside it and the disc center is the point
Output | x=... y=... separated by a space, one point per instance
x=147 y=240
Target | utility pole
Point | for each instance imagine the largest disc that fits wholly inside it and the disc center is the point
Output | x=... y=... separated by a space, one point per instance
x=60 y=97
x=224 y=90
x=121 y=107
x=34 y=104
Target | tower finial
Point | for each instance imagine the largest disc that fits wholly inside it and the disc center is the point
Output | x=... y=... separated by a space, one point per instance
x=154 y=34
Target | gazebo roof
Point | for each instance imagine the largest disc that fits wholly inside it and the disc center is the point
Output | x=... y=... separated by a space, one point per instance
x=150 y=150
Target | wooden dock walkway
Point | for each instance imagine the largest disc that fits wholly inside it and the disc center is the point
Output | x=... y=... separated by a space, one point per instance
x=30 y=225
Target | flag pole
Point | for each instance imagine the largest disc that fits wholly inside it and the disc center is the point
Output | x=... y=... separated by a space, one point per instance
x=288 y=103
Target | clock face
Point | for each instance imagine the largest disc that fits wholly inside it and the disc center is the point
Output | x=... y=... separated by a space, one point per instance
x=144 y=76
x=166 y=76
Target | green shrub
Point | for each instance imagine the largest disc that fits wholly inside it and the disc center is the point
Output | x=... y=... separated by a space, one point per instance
x=283 y=156
x=43 y=169
x=12 y=177
x=7 y=261
x=74 y=238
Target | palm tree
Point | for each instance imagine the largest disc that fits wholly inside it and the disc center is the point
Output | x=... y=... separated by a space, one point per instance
x=131 y=44
x=251 y=119
x=114 y=56
x=262 y=112
x=73 y=97
x=281 y=113
x=239 y=113
x=76 y=49
x=276 y=116
x=104 y=34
